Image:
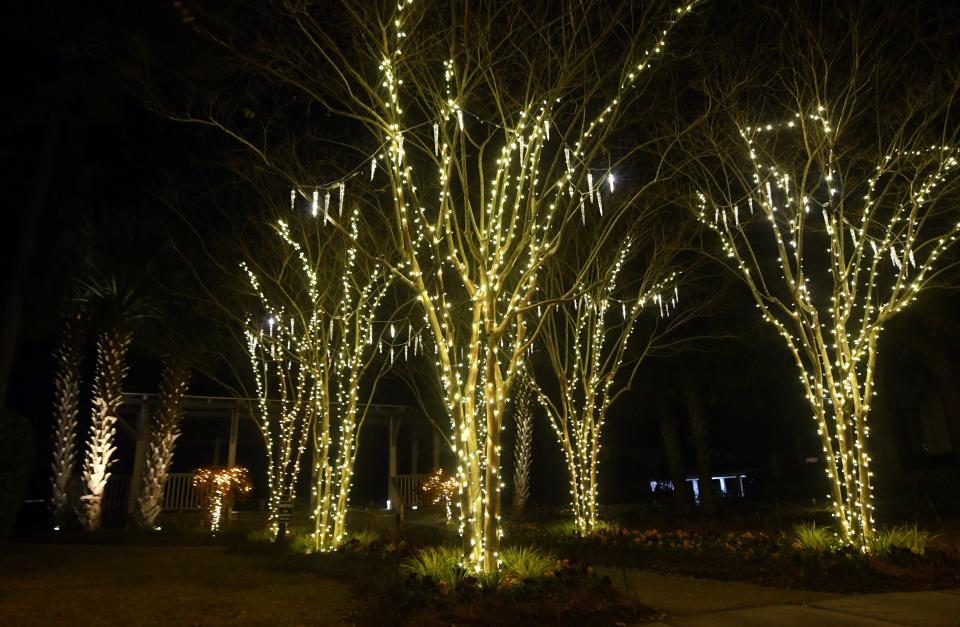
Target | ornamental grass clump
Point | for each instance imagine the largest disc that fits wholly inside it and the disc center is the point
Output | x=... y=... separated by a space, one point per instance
x=525 y=562
x=902 y=537
x=440 y=563
x=813 y=538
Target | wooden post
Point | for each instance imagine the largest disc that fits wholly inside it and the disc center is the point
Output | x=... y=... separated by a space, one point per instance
x=414 y=453
x=141 y=433
x=234 y=428
x=314 y=463
x=392 y=454
x=436 y=449
x=232 y=449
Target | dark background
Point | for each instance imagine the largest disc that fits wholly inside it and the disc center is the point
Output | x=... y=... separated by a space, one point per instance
x=101 y=202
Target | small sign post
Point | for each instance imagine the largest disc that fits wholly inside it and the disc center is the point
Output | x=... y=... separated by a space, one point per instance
x=285 y=511
x=284 y=516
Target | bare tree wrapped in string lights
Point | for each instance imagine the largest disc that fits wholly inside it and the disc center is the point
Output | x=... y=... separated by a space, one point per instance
x=316 y=357
x=587 y=345
x=487 y=137
x=474 y=245
x=835 y=217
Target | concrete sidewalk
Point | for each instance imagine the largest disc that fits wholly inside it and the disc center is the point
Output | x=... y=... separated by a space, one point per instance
x=689 y=602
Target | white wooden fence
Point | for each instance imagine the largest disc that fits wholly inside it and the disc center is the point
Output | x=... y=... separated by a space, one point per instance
x=115 y=495
x=411 y=488
x=178 y=494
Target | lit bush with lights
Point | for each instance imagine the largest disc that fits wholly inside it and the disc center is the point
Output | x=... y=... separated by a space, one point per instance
x=218 y=487
x=441 y=488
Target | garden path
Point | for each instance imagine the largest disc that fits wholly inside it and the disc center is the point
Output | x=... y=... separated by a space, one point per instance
x=690 y=602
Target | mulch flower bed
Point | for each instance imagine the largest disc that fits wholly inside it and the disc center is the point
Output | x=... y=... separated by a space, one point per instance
x=770 y=559
x=570 y=594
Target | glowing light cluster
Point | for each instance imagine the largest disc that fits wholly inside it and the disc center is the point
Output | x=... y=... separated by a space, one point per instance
x=217 y=488
x=854 y=244
x=441 y=488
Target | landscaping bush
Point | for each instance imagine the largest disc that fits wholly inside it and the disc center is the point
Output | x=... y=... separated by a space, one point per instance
x=901 y=536
x=568 y=528
x=525 y=562
x=439 y=563
x=813 y=538
x=363 y=540
x=16 y=457
x=302 y=542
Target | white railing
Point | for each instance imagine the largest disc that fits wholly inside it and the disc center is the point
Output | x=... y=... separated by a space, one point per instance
x=411 y=488
x=115 y=495
x=178 y=492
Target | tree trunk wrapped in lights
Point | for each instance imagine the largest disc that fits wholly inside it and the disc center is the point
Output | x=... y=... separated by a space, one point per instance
x=286 y=407
x=474 y=246
x=480 y=162
x=834 y=217
x=315 y=359
x=66 y=408
x=586 y=343
x=112 y=348
x=523 y=445
x=164 y=431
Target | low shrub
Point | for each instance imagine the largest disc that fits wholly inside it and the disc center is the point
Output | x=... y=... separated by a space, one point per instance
x=363 y=540
x=302 y=542
x=260 y=536
x=568 y=528
x=16 y=454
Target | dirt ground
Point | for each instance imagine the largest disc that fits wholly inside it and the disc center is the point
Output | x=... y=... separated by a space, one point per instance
x=47 y=584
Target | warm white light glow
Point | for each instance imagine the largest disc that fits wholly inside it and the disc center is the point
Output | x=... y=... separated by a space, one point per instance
x=866 y=251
